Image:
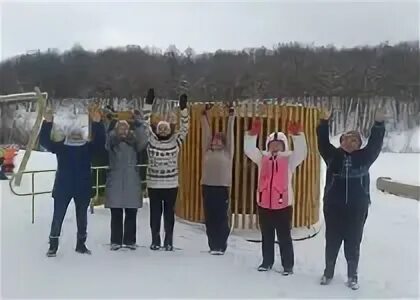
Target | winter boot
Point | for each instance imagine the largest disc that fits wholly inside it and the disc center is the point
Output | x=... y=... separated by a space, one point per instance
x=81 y=246
x=155 y=242
x=325 y=280
x=352 y=283
x=169 y=248
x=154 y=247
x=115 y=247
x=287 y=272
x=52 y=251
x=168 y=242
x=131 y=246
x=264 y=267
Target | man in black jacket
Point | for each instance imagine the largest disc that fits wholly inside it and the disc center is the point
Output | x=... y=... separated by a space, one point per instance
x=346 y=193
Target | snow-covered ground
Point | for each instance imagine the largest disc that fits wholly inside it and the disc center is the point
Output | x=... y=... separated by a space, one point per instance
x=389 y=266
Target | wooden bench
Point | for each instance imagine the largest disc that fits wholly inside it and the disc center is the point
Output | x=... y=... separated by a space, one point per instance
x=388 y=185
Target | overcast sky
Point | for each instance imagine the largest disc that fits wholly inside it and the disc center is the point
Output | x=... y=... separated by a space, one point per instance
x=204 y=26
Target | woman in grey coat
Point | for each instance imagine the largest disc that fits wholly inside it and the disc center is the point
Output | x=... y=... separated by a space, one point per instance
x=123 y=185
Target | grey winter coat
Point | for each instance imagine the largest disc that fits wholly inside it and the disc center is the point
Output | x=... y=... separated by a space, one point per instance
x=123 y=184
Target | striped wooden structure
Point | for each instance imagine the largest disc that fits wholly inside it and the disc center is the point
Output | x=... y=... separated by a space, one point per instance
x=274 y=117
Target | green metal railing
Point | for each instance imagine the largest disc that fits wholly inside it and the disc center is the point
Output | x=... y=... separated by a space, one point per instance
x=97 y=186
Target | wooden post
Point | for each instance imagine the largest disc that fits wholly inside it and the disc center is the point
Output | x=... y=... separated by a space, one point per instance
x=41 y=105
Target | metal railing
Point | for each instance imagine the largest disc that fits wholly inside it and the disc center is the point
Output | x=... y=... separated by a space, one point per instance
x=96 y=186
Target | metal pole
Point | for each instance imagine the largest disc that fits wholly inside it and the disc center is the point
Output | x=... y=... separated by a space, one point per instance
x=92 y=210
x=97 y=183
x=33 y=197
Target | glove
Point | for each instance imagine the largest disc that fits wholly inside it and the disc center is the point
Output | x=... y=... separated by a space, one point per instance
x=295 y=128
x=183 y=101
x=109 y=108
x=255 y=128
x=150 y=96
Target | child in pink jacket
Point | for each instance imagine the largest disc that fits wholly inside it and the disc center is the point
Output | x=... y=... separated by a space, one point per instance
x=276 y=166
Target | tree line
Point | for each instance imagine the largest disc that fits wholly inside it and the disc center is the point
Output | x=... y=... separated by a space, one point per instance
x=287 y=70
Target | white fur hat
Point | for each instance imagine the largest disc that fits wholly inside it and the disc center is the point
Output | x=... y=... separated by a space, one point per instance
x=277 y=136
x=165 y=123
x=123 y=122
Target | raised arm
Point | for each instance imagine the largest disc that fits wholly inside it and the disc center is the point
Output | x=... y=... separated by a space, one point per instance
x=375 y=142
x=250 y=143
x=325 y=148
x=146 y=119
x=146 y=113
x=112 y=140
x=300 y=150
x=45 y=138
x=250 y=148
x=98 y=136
x=98 y=140
x=230 y=136
x=185 y=120
x=141 y=130
x=184 y=126
x=205 y=131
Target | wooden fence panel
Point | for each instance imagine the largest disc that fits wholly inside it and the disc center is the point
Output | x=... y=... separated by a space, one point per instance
x=243 y=193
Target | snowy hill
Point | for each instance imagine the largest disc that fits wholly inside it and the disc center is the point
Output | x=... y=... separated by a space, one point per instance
x=389 y=266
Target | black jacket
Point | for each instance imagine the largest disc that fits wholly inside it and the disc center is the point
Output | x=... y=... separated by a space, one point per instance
x=347 y=180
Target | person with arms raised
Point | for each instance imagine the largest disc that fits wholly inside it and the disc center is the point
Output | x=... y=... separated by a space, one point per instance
x=73 y=176
x=163 y=147
x=275 y=196
x=216 y=180
x=123 y=185
x=346 y=193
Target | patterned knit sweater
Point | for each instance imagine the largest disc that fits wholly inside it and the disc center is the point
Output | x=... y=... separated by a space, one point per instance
x=162 y=170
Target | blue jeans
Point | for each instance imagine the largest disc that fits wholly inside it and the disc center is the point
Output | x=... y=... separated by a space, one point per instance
x=60 y=209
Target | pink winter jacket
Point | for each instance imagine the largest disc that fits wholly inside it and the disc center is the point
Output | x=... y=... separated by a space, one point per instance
x=273 y=182
x=275 y=173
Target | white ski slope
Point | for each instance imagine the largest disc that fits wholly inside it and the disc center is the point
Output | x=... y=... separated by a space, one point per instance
x=389 y=266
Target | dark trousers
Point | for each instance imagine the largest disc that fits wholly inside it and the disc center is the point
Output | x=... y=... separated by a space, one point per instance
x=346 y=224
x=123 y=230
x=216 y=202
x=162 y=201
x=277 y=221
x=2 y=175
x=60 y=209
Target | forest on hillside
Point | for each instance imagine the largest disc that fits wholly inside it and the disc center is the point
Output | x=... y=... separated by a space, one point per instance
x=288 y=70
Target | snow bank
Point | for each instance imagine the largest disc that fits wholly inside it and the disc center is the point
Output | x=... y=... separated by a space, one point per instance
x=414 y=144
